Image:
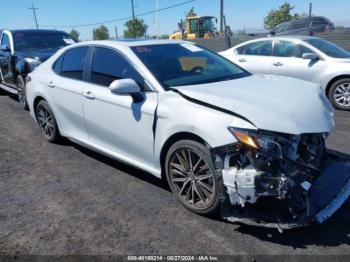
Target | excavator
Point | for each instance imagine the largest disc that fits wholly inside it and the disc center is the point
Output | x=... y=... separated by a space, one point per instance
x=196 y=27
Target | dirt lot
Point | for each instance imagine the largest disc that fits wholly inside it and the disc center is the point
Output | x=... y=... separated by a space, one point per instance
x=63 y=199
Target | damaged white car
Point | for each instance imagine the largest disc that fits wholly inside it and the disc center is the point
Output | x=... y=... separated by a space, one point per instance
x=250 y=147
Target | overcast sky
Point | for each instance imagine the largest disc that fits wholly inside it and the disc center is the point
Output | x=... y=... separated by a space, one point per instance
x=240 y=14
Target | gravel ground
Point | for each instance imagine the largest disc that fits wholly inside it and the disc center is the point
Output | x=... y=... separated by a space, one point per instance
x=66 y=200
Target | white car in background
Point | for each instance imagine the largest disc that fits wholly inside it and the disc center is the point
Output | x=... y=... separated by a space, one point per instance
x=303 y=57
x=225 y=140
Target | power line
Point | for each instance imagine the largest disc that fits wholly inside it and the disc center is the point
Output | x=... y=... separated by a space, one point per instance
x=33 y=8
x=119 y=19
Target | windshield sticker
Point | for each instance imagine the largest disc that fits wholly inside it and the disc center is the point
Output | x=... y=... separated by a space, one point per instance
x=143 y=49
x=68 y=41
x=192 y=48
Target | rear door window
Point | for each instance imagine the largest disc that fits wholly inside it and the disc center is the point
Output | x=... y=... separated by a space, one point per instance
x=261 y=48
x=74 y=62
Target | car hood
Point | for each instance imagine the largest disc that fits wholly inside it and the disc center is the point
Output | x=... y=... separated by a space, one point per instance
x=279 y=104
x=38 y=54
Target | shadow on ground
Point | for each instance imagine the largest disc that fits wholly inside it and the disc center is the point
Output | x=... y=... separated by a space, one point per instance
x=332 y=233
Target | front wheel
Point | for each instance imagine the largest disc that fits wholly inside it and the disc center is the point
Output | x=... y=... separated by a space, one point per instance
x=47 y=122
x=21 y=92
x=339 y=94
x=191 y=176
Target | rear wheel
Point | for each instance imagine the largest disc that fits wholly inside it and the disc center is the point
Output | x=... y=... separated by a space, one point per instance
x=21 y=89
x=339 y=94
x=47 y=122
x=191 y=176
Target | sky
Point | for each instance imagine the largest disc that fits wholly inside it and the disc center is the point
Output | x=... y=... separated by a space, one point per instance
x=248 y=14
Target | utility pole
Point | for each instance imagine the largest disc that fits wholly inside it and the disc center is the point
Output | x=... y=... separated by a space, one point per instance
x=157 y=7
x=33 y=8
x=116 y=32
x=221 y=16
x=310 y=22
x=133 y=9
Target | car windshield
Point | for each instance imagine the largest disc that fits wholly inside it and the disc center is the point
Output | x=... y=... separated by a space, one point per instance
x=30 y=40
x=186 y=64
x=329 y=48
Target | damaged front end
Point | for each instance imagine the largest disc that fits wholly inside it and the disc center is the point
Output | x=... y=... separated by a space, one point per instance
x=280 y=180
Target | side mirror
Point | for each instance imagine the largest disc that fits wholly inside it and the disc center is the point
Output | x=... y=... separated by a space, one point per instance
x=127 y=87
x=124 y=87
x=5 y=48
x=310 y=56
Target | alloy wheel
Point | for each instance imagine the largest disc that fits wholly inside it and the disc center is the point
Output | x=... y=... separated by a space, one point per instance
x=21 y=89
x=342 y=95
x=46 y=121
x=192 y=179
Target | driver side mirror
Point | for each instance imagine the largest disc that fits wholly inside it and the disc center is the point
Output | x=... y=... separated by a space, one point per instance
x=127 y=87
x=124 y=87
x=310 y=56
x=5 y=48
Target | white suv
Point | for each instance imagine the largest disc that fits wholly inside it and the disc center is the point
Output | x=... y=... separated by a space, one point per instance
x=303 y=57
x=224 y=139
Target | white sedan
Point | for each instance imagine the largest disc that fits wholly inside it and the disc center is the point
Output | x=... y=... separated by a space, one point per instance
x=220 y=136
x=303 y=57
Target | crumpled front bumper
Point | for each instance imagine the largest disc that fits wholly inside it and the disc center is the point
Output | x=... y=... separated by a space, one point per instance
x=326 y=195
x=329 y=192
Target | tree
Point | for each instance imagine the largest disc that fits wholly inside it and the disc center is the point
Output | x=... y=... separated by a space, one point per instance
x=135 y=28
x=100 y=33
x=191 y=12
x=75 y=35
x=282 y=14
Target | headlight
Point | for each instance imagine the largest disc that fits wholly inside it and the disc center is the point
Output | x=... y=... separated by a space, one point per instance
x=244 y=137
x=253 y=140
x=33 y=63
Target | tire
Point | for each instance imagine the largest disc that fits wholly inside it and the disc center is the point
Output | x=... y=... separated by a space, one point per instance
x=21 y=89
x=194 y=183
x=47 y=122
x=339 y=94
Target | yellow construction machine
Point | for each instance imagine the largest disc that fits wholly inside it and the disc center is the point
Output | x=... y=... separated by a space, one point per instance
x=196 y=27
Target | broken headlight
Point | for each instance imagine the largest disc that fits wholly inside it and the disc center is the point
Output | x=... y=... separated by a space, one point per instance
x=255 y=141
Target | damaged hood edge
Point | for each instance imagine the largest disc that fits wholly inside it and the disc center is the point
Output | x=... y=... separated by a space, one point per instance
x=279 y=104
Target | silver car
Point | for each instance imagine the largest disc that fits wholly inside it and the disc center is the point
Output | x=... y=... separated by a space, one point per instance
x=303 y=57
x=220 y=136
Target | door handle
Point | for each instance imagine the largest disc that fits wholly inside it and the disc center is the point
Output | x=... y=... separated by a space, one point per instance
x=89 y=95
x=277 y=64
x=242 y=60
x=51 y=84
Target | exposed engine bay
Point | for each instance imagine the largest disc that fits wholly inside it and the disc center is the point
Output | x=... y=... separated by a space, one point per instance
x=281 y=180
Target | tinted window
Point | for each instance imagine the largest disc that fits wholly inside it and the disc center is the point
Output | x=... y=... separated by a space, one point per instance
x=73 y=62
x=289 y=49
x=5 y=40
x=58 y=65
x=40 y=40
x=261 y=48
x=328 y=48
x=108 y=65
x=186 y=64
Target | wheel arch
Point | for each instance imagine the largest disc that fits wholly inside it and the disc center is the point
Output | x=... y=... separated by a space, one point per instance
x=172 y=140
x=36 y=102
x=335 y=79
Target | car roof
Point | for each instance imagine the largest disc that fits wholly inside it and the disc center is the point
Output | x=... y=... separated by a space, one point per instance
x=131 y=43
x=289 y=37
x=36 y=31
